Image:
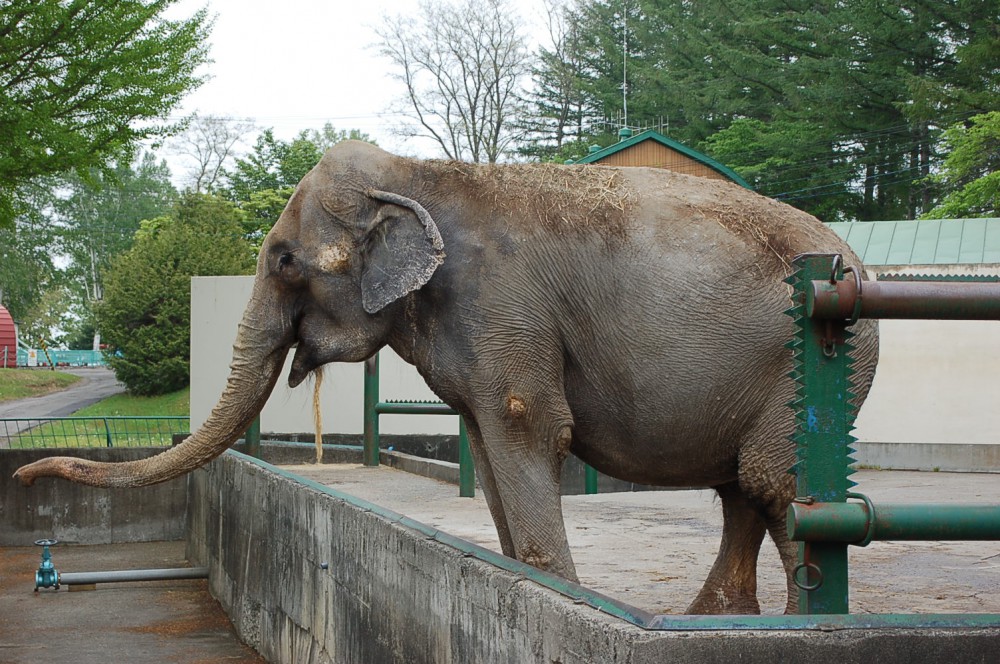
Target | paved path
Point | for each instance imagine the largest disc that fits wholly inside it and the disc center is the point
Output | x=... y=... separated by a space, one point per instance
x=97 y=383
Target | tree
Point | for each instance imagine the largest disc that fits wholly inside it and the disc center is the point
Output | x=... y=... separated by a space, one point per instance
x=84 y=82
x=328 y=136
x=98 y=216
x=209 y=145
x=849 y=97
x=784 y=158
x=262 y=182
x=557 y=127
x=971 y=174
x=145 y=317
x=27 y=269
x=462 y=66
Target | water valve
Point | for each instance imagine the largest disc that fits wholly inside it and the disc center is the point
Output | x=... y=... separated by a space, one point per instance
x=46 y=576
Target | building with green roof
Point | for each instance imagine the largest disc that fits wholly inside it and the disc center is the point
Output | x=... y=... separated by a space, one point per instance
x=934 y=246
x=650 y=148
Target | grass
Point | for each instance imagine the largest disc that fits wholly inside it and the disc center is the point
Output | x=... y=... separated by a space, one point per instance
x=124 y=433
x=24 y=383
x=165 y=405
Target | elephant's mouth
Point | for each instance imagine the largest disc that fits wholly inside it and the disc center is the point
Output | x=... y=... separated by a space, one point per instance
x=302 y=364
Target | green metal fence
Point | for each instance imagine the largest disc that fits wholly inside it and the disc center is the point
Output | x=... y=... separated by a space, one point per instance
x=24 y=433
x=374 y=407
x=467 y=471
x=825 y=305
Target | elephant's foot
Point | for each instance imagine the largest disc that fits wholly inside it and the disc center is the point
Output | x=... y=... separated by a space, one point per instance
x=726 y=599
x=560 y=565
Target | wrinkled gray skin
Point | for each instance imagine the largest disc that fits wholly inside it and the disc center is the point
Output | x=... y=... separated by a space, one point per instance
x=632 y=317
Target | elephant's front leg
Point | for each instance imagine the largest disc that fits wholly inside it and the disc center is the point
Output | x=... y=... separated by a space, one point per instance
x=525 y=441
x=488 y=483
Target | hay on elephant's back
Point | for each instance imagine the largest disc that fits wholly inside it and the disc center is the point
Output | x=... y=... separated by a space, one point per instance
x=557 y=197
x=780 y=230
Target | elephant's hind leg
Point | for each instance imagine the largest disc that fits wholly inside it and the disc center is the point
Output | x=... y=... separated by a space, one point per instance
x=768 y=484
x=731 y=586
x=789 y=552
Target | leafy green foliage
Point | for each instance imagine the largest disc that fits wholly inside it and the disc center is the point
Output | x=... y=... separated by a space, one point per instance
x=841 y=105
x=98 y=216
x=557 y=126
x=262 y=182
x=783 y=158
x=972 y=170
x=146 y=313
x=85 y=81
x=27 y=270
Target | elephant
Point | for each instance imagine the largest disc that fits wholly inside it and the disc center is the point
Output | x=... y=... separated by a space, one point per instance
x=631 y=316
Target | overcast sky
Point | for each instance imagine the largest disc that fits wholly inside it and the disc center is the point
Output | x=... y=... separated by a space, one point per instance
x=297 y=64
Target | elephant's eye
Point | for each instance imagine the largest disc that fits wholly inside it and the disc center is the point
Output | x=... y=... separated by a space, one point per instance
x=285 y=260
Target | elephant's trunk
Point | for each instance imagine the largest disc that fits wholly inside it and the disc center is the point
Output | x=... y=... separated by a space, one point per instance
x=257 y=362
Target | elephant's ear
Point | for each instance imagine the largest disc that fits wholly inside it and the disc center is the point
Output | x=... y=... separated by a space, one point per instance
x=403 y=248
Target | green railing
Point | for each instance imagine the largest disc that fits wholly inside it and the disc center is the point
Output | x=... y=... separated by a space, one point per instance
x=825 y=306
x=467 y=471
x=25 y=433
x=374 y=407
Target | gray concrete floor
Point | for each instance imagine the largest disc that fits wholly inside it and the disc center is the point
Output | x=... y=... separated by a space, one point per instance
x=154 y=621
x=653 y=549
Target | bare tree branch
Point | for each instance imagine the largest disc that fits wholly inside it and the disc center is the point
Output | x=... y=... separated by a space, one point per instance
x=208 y=144
x=462 y=64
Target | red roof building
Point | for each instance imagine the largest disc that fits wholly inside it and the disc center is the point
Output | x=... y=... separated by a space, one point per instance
x=8 y=340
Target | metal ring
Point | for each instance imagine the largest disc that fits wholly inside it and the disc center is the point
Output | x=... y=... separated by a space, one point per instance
x=857 y=300
x=808 y=587
x=870 y=530
x=46 y=542
x=837 y=260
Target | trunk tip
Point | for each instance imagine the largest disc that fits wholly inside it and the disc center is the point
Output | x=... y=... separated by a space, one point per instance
x=24 y=475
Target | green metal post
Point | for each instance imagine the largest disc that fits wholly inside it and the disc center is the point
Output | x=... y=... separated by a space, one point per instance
x=466 y=468
x=252 y=438
x=823 y=442
x=371 y=441
x=107 y=432
x=589 y=479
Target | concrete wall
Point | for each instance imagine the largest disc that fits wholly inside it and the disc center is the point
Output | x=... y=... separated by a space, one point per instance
x=74 y=513
x=217 y=304
x=311 y=575
x=936 y=382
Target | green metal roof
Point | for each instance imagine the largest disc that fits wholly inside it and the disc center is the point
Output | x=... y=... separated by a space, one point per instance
x=650 y=135
x=923 y=242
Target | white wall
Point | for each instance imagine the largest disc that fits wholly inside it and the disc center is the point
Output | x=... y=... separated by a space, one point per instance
x=217 y=305
x=937 y=381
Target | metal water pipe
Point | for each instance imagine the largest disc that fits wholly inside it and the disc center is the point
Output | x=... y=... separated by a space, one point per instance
x=48 y=577
x=120 y=576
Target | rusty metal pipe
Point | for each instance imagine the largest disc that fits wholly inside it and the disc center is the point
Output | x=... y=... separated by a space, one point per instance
x=944 y=300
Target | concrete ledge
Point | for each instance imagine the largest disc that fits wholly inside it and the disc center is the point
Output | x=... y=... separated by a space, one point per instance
x=82 y=514
x=960 y=458
x=308 y=574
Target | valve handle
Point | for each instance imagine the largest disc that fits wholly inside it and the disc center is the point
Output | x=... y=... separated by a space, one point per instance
x=46 y=542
